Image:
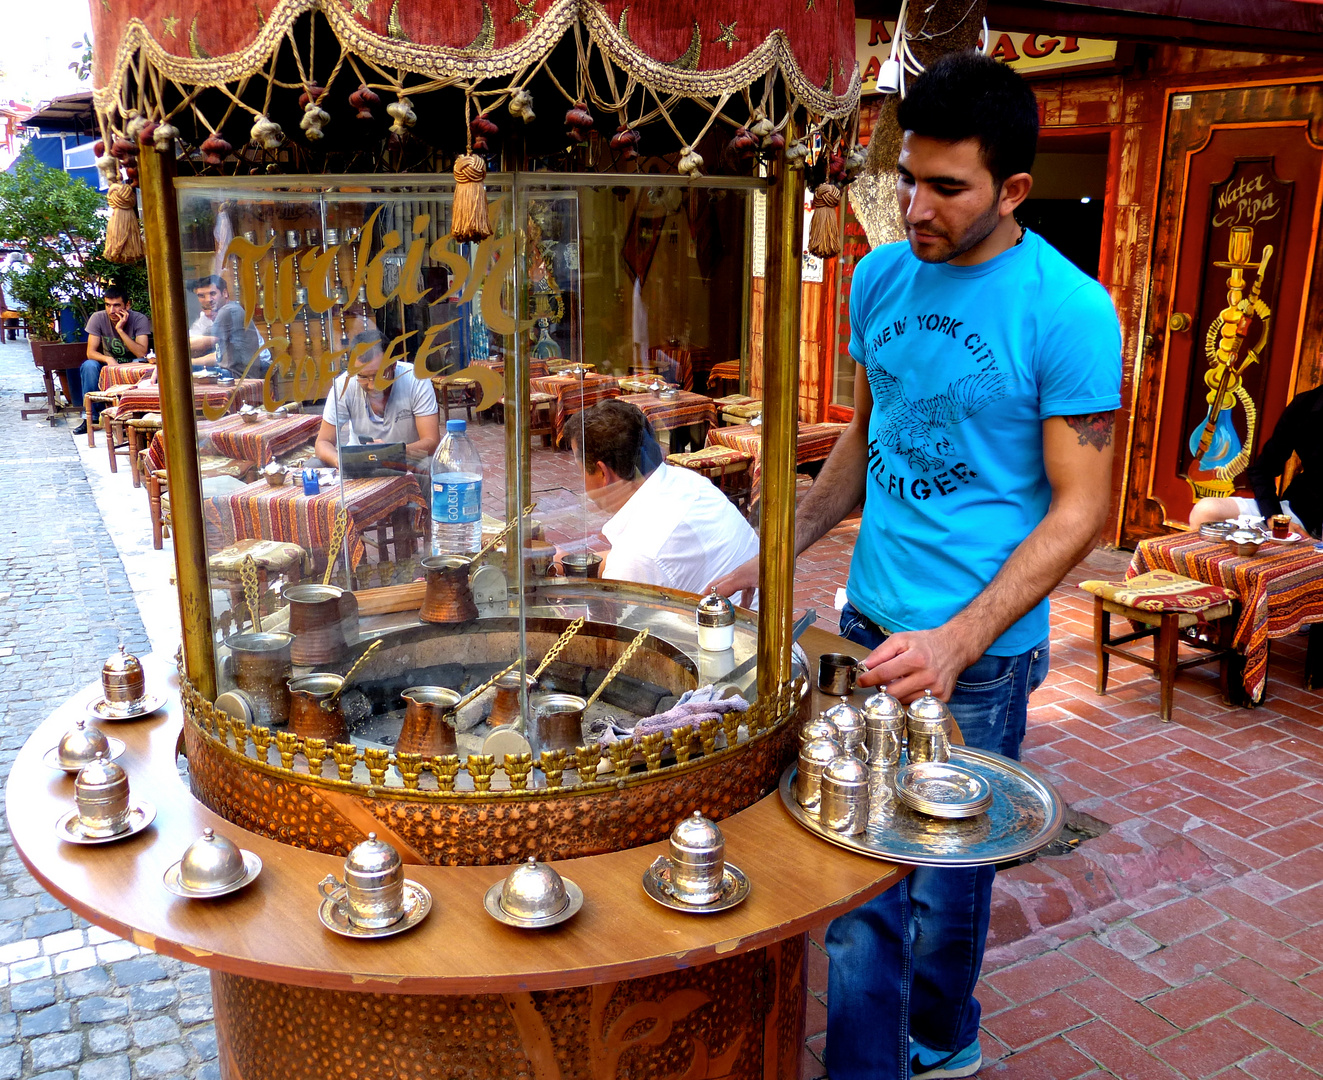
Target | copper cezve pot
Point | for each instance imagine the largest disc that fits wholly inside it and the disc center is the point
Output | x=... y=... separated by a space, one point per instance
x=260 y=666
x=322 y=618
x=449 y=597
x=429 y=721
x=309 y=715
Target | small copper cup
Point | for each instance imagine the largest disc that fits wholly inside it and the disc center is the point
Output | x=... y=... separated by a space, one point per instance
x=429 y=721
x=505 y=703
x=557 y=721
x=317 y=615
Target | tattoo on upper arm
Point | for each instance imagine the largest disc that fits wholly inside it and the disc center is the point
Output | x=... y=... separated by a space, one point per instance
x=1093 y=429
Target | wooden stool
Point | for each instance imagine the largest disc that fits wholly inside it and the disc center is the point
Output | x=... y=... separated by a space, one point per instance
x=1172 y=609
x=731 y=470
x=457 y=394
x=117 y=437
x=106 y=398
x=744 y=413
x=274 y=558
x=141 y=431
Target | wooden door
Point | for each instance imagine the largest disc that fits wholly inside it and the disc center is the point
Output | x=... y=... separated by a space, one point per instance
x=1233 y=317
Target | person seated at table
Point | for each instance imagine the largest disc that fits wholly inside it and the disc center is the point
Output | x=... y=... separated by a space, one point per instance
x=117 y=335
x=1299 y=431
x=210 y=292
x=238 y=347
x=670 y=526
x=381 y=406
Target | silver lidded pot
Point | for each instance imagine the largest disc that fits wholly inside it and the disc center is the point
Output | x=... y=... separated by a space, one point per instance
x=884 y=729
x=820 y=728
x=698 y=860
x=101 y=792
x=82 y=745
x=715 y=617
x=373 y=888
x=211 y=863
x=123 y=681
x=534 y=891
x=814 y=757
x=849 y=723
x=928 y=729
x=844 y=807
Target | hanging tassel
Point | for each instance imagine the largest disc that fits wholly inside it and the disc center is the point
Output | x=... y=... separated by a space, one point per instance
x=123 y=237
x=825 y=228
x=164 y=137
x=691 y=162
x=521 y=105
x=469 y=214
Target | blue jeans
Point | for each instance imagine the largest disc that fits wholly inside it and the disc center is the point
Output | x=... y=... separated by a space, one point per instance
x=89 y=379
x=906 y=962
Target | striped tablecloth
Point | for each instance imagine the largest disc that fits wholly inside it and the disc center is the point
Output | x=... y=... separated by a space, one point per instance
x=270 y=437
x=675 y=365
x=728 y=370
x=260 y=511
x=677 y=412
x=1280 y=588
x=814 y=443
x=573 y=395
x=137 y=400
x=124 y=374
x=537 y=369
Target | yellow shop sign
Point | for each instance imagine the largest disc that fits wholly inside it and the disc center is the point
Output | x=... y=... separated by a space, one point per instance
x=1029 y=54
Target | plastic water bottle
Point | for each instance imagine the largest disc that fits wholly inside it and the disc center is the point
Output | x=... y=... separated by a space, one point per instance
x=456 y=493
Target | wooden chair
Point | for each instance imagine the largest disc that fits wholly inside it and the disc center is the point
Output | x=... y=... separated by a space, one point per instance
x=1171 y=609
x=116 y=431
x=457 y=394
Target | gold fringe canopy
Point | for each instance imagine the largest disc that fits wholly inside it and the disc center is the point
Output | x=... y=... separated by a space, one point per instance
x=614 y=75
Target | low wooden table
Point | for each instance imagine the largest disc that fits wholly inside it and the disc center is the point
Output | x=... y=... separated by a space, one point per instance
x=1280 y=589
x=625 y=987
x=55 y=361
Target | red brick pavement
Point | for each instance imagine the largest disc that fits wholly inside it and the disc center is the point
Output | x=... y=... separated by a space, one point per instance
x=1186 y=941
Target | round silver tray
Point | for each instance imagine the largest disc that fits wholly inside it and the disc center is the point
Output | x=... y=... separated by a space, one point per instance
x=1026 y=814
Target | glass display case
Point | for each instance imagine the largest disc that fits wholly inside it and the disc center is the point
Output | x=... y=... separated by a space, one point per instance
x=461 y=500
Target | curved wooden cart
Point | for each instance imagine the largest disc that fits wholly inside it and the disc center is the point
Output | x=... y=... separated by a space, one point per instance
x=625 y=987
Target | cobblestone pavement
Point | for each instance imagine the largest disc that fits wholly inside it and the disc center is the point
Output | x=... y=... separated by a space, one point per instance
x=75 y=1001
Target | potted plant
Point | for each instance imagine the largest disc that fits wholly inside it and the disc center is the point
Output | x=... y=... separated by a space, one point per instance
x=59 y=223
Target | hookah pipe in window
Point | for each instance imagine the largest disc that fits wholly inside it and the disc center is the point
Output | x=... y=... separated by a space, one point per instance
x=341 y=293
x=292 y=238
x=323 y=330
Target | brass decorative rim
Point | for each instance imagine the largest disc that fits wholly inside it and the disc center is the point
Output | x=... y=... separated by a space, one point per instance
x=306 y=761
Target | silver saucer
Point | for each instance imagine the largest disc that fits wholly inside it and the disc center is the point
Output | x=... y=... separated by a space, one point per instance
x=657 y=884
x=51 y=758
x=417 y=903
x=252 y=865
x=102 y=710
x=492 y=902
x=70 y=827
x=943 y=790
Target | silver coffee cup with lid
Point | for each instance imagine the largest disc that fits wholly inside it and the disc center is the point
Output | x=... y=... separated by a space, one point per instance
x=884 y=729
x=818 y=728
x=844 y=807
x=814 y=757
x=123 y=681
x=698 y=860
x=81 y=746
x=373 y=888
x=928 y=730
x=849 y=723
x=101 y=793
x=715 y=619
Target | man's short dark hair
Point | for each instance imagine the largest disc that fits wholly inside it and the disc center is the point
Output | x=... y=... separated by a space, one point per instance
x=209 y=280
x=369 y=337
x=114 y=292
x=967 y=95
x=618 y=435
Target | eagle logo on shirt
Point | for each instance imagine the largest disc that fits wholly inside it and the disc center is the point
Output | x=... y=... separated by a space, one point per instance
x=919 y=430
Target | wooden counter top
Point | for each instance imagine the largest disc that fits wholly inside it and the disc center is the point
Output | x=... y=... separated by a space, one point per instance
x=270 y=930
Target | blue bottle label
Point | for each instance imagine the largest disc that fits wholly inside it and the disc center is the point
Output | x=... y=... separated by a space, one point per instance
x=456 y=503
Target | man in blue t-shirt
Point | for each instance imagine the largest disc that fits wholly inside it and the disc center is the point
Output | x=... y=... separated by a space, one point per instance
x=981 y=447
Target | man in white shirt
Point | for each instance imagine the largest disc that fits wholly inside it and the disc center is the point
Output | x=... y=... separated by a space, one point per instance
x=211 y=292
x=379 y=406
x=670 y=527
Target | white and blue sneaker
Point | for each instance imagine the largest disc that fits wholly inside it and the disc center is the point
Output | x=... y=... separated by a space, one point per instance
x=926 y=1064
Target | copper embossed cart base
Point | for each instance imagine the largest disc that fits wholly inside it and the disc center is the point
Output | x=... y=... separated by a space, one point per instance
x=741 y=1018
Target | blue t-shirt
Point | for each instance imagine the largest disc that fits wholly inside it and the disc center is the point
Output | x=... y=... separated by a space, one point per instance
x=964 y=364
